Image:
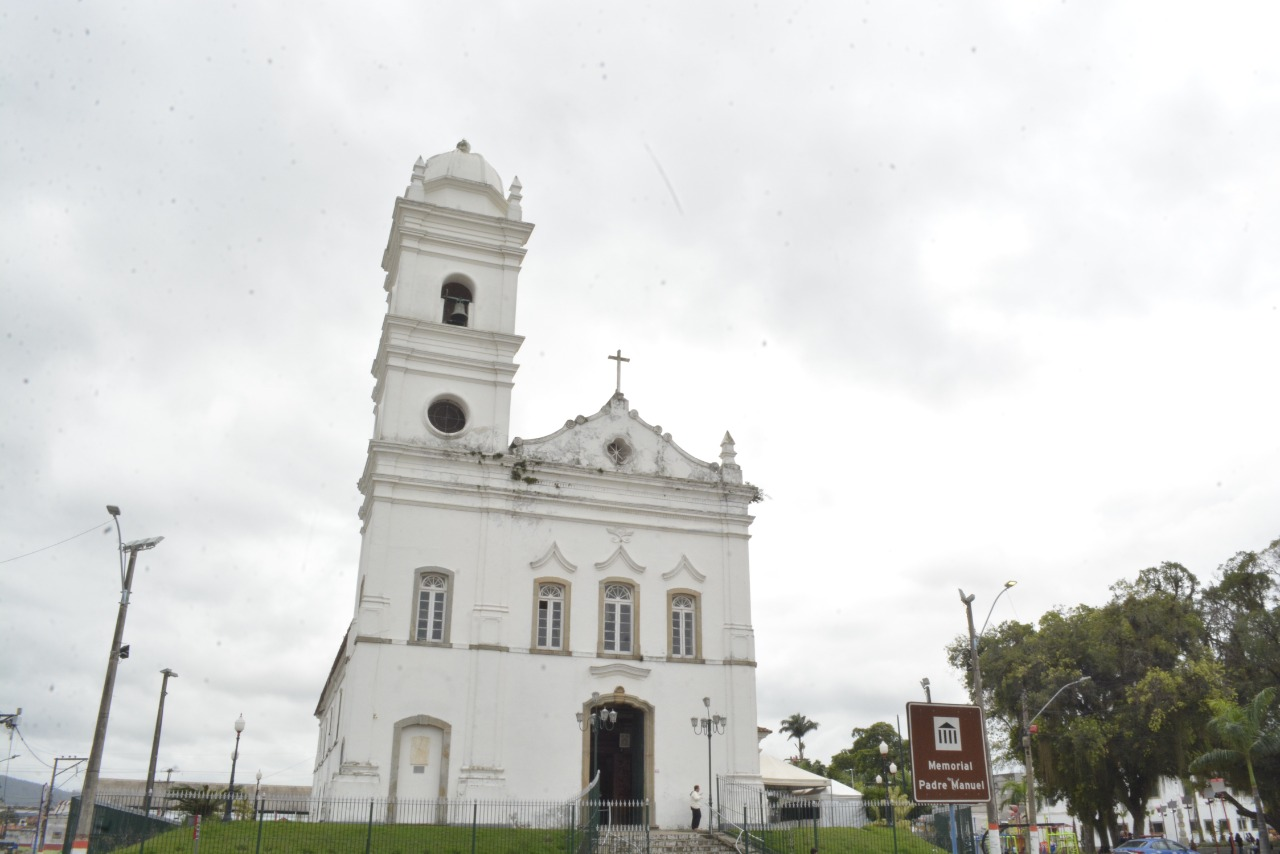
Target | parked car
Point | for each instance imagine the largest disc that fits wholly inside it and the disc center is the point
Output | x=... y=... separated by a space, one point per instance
x=1151 y=845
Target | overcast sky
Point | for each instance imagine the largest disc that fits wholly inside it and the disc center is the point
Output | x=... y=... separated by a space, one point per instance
x=982 y=290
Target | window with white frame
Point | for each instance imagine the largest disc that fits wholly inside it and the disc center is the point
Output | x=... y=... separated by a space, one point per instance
x=550 y=631
x=619 y=618
x=433 y=607
x=684 y=642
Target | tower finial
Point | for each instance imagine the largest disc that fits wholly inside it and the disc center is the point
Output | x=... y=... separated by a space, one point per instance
x=727 y=452
x=514 y=196
x=464 y=146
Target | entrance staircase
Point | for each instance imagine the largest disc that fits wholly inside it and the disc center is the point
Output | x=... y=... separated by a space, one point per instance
x=687 y=842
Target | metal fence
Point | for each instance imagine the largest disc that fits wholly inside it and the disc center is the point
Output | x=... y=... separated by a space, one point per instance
x=583 y=825
x=766 y=822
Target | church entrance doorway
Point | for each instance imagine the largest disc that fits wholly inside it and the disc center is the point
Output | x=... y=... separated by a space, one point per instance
x=621 y=761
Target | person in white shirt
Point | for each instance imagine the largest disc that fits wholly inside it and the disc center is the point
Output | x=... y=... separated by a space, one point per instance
x=695 y=805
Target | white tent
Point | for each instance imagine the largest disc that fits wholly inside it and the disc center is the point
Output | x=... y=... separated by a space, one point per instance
x=839 y=805
x=783 y=775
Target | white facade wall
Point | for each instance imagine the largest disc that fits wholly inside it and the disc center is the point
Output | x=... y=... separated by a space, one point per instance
x=484 y=714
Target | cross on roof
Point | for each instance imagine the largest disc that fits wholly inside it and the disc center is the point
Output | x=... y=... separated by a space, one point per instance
x=619 y=358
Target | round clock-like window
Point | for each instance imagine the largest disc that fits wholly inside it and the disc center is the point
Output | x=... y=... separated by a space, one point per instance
x=446 y=416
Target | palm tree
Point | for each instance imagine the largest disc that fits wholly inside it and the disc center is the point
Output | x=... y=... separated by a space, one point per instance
x=1247 y=733
x=798 y=726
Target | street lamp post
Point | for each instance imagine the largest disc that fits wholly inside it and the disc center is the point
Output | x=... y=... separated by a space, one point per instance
x=235 y=754
x=603 y=719
x=89 y=790
x=256 y=790
x=708 y=726
x=1028 y=728
x=890 y=769
x=993 y=823
x=155 y=741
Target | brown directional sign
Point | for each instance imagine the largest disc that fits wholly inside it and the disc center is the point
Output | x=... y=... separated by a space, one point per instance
x=948 y=754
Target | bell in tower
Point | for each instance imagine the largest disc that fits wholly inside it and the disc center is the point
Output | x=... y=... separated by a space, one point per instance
x=456 y=299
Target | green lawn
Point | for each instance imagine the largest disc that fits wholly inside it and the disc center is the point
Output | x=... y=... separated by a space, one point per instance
x=288 y=837
x=845 y=840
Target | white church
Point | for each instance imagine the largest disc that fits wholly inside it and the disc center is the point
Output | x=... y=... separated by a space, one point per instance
x=508 y=585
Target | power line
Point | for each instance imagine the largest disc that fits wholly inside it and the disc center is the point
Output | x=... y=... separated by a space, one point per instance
x=60 y=542
x=34 y=755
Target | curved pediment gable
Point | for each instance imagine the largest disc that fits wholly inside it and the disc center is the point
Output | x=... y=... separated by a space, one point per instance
x=686 y=566
x=618 y=439
x=620 y=557
x=554 y=557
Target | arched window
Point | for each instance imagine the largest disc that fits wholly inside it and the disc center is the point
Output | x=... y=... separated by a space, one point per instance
x=457 y=304
x=550 y=629
x=619 y=619
x=433 y=608
x=684 y=609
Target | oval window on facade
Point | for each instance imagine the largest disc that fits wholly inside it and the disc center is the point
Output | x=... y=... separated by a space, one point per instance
x=446 y=416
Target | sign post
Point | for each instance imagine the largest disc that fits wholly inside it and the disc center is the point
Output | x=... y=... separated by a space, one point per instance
x=948 y=754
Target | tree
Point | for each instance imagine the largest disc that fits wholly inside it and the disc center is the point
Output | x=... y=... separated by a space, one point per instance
x=204 y=801
x=1013 y=793
x=798 y=726
x=861 y=761
x=1247 y=732
x=1108 y=740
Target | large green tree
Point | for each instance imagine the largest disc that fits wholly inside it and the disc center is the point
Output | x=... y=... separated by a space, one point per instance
x=798 y=726
x=1110 y=739
x=1242 y=611
x=1244 y=734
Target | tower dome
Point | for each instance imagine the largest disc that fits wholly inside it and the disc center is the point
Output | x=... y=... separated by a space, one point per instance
x=459 y=179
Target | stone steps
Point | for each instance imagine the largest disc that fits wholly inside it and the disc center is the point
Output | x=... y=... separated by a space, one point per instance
x=686 y=842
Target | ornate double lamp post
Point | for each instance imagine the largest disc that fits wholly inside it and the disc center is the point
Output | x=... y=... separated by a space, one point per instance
x=890 y=769
x=708 y=726
x=603 y=719
x=235 y=754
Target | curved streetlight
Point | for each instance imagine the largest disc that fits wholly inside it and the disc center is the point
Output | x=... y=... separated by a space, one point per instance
x=1026 y=751
x=993 y=823
x=89 y=791
x=235 y=754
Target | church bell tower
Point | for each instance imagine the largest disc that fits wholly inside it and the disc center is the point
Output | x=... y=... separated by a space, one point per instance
x=445 y=363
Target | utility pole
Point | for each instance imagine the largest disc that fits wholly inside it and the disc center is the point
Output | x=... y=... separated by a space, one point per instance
x=1032 y=830
x=10 y=721
x=89 y=791
x=46 y=805
x=993 y=821
x=155 y=741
